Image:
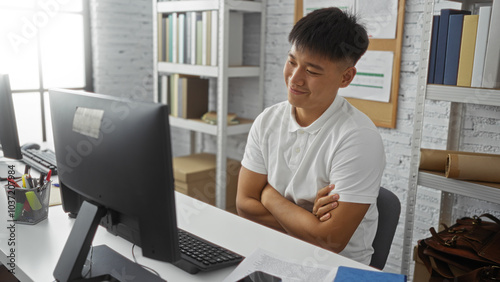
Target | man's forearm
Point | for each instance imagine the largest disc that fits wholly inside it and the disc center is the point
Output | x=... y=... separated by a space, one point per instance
x=253 y=209
x=299 y=222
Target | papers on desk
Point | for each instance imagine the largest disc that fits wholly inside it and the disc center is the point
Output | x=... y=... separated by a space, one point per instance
x=286 y=270
x=271 y=268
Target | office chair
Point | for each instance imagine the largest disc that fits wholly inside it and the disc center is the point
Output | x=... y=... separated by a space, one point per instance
x=389 y=208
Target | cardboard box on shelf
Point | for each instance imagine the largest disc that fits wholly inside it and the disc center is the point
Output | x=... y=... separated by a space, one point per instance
x=421 y=273
x=195 y=176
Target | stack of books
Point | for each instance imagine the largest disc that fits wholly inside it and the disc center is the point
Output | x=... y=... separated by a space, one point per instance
x=465 y=48
x=187 y=96
x=192 y=38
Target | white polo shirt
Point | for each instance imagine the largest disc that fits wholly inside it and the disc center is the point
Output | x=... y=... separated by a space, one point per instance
x=342 y=147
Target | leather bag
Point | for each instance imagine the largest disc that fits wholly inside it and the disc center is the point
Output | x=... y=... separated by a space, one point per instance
x=469 y=250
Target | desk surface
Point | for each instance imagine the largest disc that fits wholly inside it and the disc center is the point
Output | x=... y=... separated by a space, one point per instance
x=38 y=246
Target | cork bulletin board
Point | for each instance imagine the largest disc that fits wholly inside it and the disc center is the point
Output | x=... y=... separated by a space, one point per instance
x=383 y=114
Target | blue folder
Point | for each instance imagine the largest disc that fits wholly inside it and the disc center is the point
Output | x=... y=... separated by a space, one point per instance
x=441 y=42
x=453 y=49
x=348 y=274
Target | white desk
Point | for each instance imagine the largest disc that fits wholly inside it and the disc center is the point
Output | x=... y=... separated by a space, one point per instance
x=39 y=246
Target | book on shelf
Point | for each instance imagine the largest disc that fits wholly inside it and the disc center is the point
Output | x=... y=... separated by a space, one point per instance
x=188 y=96
x=173 y=38
x=163 y=89
x=491 y=71
x=194 y=96
x=193 y=38
x=432 y=54
x=160 y=37
x=235 y=39
x=173 y=94
x=453 y=49
x=168 y=39
x=467 y=47
x=199 y=39
x=205 y=20
x=181 y=22
x=483 y=26
x=214 y=38
x=442 y=42
x=188 y=37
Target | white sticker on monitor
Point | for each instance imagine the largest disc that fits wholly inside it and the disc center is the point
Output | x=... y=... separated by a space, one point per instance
x=88 y=121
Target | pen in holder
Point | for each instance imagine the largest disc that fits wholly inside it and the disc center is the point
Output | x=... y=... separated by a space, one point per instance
x=31 y=204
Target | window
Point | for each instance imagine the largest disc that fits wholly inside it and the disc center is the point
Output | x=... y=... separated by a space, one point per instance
x=45 y=44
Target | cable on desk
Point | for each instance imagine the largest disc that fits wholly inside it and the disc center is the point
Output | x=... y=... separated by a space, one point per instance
x=90 y=263
x=143 y=266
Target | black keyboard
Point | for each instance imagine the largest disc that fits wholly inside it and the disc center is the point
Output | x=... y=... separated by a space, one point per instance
x=41 y=160
x=198 y=254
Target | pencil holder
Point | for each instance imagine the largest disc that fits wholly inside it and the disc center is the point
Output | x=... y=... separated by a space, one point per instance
x=28 y=205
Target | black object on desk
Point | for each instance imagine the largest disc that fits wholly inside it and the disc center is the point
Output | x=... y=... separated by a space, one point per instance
x=9 y=140
x=41 y=160
x=198 y=254
x=121 y=177
x=260 y=276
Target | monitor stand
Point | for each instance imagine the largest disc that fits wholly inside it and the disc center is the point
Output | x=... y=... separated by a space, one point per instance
x=107 y=265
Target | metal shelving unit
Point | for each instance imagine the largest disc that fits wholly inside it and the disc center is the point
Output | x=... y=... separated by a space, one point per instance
x=458 y=96
x=222 y=72
x=480 y=96
x=199 y=126
x=208 y=71
x=459 y=187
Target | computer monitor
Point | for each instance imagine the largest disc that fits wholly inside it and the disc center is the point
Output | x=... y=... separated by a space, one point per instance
x=9 y=139
x=115 y=168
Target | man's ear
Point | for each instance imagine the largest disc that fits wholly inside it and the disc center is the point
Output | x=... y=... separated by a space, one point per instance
x=347 y=76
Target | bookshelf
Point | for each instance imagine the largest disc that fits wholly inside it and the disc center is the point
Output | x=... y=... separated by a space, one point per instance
x=458 y=96
x=219 y=70
x=480 y=96
x=200 y=126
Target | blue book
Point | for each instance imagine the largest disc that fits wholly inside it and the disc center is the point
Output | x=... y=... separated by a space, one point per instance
x=442 y=41
x=348 y=274
x=453 y=49
x=432 y=53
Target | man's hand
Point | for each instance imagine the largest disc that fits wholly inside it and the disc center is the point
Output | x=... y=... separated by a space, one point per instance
x=325 y=203
x=332 y=234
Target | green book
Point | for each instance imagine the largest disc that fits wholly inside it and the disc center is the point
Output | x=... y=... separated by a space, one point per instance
x=199 y=40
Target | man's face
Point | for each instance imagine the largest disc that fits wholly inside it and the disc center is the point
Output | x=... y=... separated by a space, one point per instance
x=313 y=81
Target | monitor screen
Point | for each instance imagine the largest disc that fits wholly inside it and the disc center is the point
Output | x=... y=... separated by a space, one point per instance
x=115 y=155
x=8 y=127
x=9 y=140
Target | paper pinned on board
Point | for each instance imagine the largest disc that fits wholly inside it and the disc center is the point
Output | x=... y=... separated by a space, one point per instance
x=379 y=17
x=373 y=78
x=311 y=5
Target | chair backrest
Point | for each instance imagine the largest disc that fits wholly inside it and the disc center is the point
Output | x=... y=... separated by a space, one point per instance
x=389 y=209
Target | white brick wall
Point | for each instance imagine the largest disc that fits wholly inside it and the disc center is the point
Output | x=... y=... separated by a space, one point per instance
x=122 y=53
x=122 y=44
x=122 y=39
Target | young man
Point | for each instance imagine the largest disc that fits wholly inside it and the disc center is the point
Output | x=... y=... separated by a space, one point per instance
x=299 y=150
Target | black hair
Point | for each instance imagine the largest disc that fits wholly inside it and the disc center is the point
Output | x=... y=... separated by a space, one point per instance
x=332 y=33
